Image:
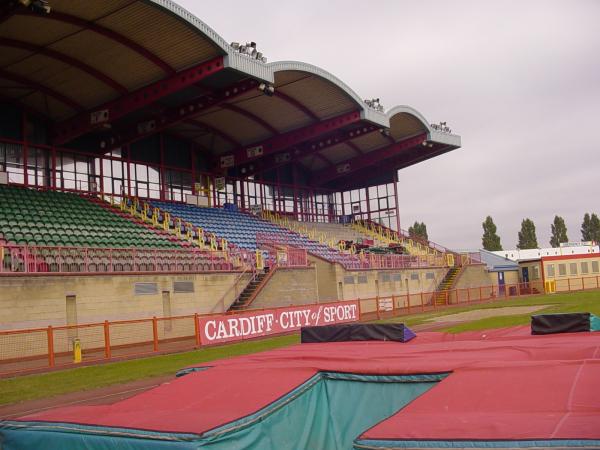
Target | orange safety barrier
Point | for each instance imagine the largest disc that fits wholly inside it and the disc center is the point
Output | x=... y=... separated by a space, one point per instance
x=23 y=351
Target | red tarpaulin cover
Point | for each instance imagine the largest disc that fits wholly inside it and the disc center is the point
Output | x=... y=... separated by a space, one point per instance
x=505 y=384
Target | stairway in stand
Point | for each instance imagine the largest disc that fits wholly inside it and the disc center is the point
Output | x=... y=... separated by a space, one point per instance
x=441 y=297
x=249 y=293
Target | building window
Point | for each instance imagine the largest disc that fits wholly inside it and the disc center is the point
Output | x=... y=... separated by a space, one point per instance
x=535 y=273
x=573 y=268
x=414 y=276
x=362 y=279
x=429 y=275
x=595 y=266
x=349 y=280
x=397 y=277
x=385 y=277
x=562 y=270
x=550 y=270
x=584 y=267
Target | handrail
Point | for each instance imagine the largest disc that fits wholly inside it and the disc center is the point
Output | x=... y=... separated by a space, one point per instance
x=261 y=285
x=221 y=301
x=63 y=260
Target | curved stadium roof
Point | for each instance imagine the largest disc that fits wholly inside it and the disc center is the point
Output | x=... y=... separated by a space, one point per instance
x=100 y=73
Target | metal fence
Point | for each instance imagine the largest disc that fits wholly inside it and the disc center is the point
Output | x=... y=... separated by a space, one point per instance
x=26 y=260
x=23 y=351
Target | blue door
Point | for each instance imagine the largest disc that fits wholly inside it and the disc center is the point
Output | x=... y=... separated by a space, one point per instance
x=525 y=273
x=501 y=287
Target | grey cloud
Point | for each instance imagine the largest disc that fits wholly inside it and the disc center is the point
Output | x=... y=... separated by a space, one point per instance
x=519 y=81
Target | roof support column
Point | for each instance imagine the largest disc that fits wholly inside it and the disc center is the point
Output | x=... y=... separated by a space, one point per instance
x=161 y=168
x=396 y=198
x=25 y=147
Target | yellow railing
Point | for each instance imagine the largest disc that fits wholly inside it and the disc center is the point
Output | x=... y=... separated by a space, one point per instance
x=182 y=230
x=392 y=237
x=312 y=233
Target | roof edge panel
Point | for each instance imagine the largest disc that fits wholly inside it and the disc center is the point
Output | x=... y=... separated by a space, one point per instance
x=452 y=140
x=405 y=109
x=233 y=59
x=281 y=66
x=190 y=18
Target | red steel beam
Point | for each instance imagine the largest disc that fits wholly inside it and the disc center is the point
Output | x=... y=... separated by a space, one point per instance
x=409 y=158
x=173 y=115
x=42 y=88
x=368 y=159
x=310 y=148
x=5 y=42
x=250 y=116
x=133 y=101
x=286 y=140
x=106 y=32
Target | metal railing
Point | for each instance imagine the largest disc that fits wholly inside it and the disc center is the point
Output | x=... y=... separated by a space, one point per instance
x=28 y=350
x=362 y=261
x=27 y=260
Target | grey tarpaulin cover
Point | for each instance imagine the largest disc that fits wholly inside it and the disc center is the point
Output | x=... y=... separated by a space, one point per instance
x=357 y=332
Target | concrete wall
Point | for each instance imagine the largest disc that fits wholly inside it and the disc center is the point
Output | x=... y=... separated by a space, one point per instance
x=336 y=283
x=476 y=276
x=289 y=287
x=41 y=301
x=533 y=268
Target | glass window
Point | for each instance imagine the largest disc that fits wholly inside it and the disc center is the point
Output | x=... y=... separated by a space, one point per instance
x=562 y=270
x=535 y=273
x=573 y=268
x=414 y=276
x=584 y=267
x=362 y=279
x=429 y=275
x=595 y=266
x=550 y=270
x=348 y=280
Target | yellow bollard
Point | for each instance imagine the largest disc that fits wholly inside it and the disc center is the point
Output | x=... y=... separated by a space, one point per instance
x=77 y=351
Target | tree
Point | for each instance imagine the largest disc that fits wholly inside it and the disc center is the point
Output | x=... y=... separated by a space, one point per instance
x=590 y=228
x=559 y=232
x=527 y=237
x=586 y=228
x=418 y=230
x=595 y=228
x=490 y=240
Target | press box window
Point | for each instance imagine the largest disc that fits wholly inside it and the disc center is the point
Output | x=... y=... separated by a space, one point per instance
x=562 y=269
x=550 y=270
x=573 y=268
x=584 y=267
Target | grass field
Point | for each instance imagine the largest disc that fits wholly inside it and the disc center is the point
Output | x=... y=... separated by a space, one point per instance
x=51 y=384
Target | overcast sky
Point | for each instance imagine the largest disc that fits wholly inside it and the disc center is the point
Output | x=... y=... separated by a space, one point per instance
x=518 y=80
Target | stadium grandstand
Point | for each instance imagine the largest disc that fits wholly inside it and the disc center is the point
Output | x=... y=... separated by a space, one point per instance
x=163 y=190
x=126 y=151
x=165 y=172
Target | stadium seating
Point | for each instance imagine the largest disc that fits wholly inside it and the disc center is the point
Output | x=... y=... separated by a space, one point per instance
x=241 y=229
x=48 y=218
x=338 y=232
